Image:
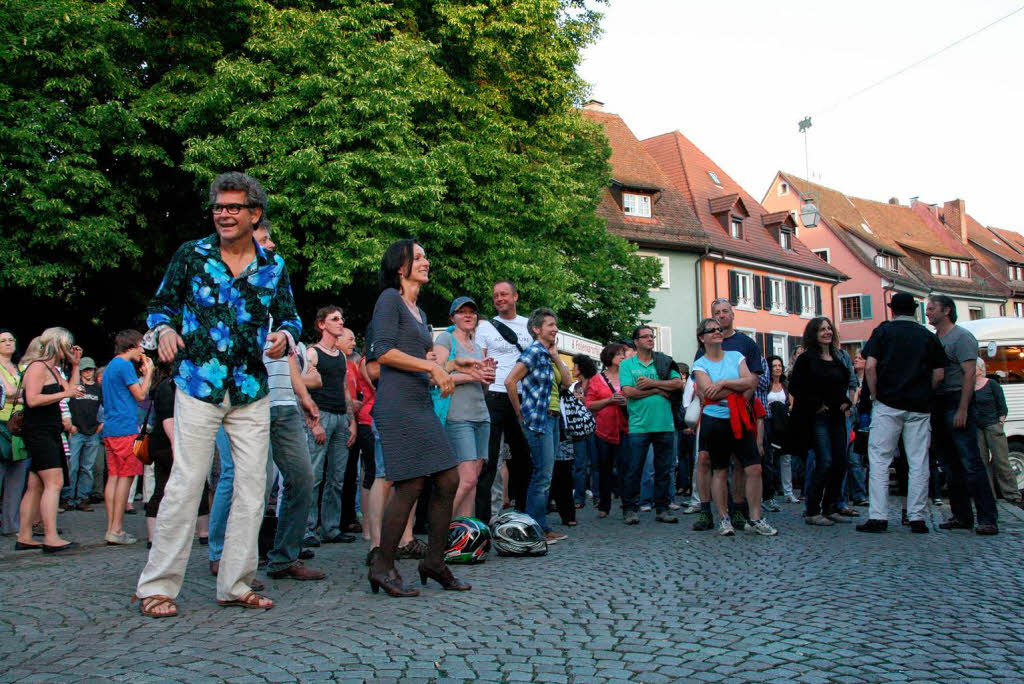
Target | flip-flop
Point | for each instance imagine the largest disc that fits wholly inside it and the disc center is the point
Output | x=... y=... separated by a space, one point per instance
x=155 y=601
x=249 y=600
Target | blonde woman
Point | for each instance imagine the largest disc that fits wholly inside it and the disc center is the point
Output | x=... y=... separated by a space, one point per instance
x=44 y=388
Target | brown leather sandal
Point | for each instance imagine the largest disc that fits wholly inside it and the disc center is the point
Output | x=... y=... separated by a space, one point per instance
x=249 y=600
x=148 y=603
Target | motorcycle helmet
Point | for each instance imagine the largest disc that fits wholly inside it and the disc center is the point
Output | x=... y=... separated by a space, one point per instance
x=517 y=534
x=469 y=540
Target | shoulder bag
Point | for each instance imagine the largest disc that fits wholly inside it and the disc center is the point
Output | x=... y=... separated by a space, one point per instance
x=506 y=333
x=140 y=447
x=579 y=421
x=442 y=404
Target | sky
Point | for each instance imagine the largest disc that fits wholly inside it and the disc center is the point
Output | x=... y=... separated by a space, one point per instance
x=736 y=76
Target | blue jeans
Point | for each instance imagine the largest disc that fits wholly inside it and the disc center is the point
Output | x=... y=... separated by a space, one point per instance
x=469 y=438
x=584 y=471
x=631 y=469
x=222 y=496
x=82 y=459
x=968 y=479
x=542 y=454
x=291 y=456
x=829 y=438
x=328 y=460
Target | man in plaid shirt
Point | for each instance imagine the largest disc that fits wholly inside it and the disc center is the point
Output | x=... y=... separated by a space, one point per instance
x=542 y=373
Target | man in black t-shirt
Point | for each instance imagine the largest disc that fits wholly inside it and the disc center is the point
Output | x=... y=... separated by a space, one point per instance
x=904 y=364
x=85 y=441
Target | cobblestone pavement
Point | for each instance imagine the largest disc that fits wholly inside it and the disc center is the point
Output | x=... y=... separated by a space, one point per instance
x=652 y=603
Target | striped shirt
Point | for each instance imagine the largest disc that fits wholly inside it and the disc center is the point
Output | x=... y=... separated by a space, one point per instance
x=279 y=377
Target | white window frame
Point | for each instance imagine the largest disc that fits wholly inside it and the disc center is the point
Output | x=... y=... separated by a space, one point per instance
x=806 y=299
x=785 y=239
x=636 y=204
x=857 y=296
x=662 y=337
x=828 y=254
x=777 y=290
x=1018 y=309
x=745 y=290
x=781 y=338
x=714 y=178
x=733 y=230
x=665 y=264
x=783 y=189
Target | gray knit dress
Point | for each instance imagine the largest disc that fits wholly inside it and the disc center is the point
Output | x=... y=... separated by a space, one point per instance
x=413 y=439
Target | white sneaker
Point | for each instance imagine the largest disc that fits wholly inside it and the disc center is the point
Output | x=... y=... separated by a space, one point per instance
x=674 y=506
x=762 y=528
x=792 y=498
x=645 y=509
x=725 y=528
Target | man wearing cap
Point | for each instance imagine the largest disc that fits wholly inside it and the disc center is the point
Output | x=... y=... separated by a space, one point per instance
x=85 y=441
x=904 y=364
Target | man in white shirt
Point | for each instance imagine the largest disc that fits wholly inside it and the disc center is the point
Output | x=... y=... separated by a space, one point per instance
x=503 y=338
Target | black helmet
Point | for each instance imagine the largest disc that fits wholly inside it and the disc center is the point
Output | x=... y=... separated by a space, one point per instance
x=517 y=534
x=469 y=540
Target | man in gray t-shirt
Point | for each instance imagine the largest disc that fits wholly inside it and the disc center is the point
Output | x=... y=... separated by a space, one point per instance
x=954 y=425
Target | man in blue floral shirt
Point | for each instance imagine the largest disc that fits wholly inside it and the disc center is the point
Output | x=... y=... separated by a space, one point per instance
x=229 y=298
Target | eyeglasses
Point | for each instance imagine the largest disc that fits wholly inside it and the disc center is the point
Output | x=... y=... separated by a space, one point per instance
x=711 y=331
x=230 y=209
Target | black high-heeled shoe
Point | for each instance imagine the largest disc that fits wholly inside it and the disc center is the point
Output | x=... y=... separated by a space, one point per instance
x=391 y=583
x=444 y=577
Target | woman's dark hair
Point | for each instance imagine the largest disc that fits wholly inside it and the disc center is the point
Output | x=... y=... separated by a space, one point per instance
x=16 y=356
x=773 y=359
x=810 y=340
x=588 y=368
x=162 y=370
x=609 y=352
x=396 y=262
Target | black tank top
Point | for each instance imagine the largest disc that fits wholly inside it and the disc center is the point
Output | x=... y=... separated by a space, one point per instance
x=330 y=397
x=45 y=417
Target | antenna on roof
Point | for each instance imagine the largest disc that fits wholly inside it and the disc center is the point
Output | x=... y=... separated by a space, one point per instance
x=808 y=212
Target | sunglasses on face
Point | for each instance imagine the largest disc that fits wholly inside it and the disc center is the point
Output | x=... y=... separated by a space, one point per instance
x=711 y=331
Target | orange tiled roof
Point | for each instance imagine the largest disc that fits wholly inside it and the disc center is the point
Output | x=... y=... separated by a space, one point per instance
x=908 y=229
x=673 y=223
x=690 y=170
x=989 y=239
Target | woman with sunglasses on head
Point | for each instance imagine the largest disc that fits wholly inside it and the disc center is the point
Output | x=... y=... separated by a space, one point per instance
x=726 y=427
x=819 y=384
x=44 y=388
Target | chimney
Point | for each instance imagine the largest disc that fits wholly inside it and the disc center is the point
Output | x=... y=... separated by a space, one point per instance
x=594 y=106
x=894 y=201
x=956 y=218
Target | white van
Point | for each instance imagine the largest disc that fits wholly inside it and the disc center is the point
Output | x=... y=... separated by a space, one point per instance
x=1001 y=346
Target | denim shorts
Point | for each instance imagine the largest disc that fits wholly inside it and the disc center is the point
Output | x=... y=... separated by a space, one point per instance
x=469 y=439
x=378 y=453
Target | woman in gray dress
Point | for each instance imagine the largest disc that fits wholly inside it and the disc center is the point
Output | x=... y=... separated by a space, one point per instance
x=414 y=442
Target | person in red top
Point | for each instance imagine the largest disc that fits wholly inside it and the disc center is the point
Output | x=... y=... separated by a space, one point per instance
x=363 y=449
x=605 y=400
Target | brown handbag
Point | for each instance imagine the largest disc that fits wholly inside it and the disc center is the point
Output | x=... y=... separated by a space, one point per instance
x=17 y=420
x=140 y=447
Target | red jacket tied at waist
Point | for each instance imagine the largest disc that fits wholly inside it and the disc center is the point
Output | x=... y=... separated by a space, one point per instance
x=739 y=416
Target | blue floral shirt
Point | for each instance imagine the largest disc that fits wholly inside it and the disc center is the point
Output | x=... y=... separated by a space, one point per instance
x=536 y=387
x=224 y=320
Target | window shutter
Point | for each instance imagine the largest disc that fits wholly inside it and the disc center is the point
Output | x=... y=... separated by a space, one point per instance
x=733 y=288
x=865 y=307
x=817 y=300
x=665 y=333
x=766 y=293
x=920 y=307
x=792 y=297
x=755 y=283
x=762 y=341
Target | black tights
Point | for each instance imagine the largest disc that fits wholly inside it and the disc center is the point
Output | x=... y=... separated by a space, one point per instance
x=404 y=495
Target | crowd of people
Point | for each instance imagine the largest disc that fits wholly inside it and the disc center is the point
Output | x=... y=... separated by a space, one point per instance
x=266 y=448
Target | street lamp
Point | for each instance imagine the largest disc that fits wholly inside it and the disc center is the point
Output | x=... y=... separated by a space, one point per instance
x=809 y=213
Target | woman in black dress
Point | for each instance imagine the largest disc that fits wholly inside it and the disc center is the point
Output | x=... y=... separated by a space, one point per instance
x=414 y=442
x=43 y=389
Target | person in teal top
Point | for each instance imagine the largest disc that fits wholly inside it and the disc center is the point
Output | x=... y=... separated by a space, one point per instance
x=650 y=425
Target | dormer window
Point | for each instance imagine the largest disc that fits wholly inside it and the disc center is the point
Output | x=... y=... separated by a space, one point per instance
x=1015 y=272
x=783 y=189
x=636 y=205
x=714 y=178
x=785 y=239
x=736 y=228
x=888 y=262
x=953 y=268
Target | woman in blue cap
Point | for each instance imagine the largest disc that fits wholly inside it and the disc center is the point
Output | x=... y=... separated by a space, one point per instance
x=468 y=422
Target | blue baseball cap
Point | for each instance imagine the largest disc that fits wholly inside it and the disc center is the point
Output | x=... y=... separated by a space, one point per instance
x=461 y=302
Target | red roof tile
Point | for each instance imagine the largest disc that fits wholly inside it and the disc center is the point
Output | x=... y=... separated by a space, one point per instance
x=673 y=223
x=690 y=170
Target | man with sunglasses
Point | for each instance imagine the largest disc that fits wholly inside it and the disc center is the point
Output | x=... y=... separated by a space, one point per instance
x=732 y=340
x=228 y=298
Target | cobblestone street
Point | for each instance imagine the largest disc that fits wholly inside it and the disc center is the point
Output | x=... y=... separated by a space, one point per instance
x=653 y=603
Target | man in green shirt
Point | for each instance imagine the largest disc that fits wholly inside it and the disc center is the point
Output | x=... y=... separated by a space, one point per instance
x=650 y=426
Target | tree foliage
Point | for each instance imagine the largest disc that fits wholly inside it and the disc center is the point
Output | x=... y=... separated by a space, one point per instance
x=450 y=121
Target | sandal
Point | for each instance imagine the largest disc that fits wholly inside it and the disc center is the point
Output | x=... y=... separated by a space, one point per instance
x=249 y=600
x=147 y=604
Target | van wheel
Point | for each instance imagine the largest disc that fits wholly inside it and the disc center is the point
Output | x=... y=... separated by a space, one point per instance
x=1017 y=461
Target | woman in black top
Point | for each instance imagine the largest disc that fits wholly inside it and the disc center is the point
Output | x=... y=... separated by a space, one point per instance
x=819 y=383
x=44 y=388
x=414 y=442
